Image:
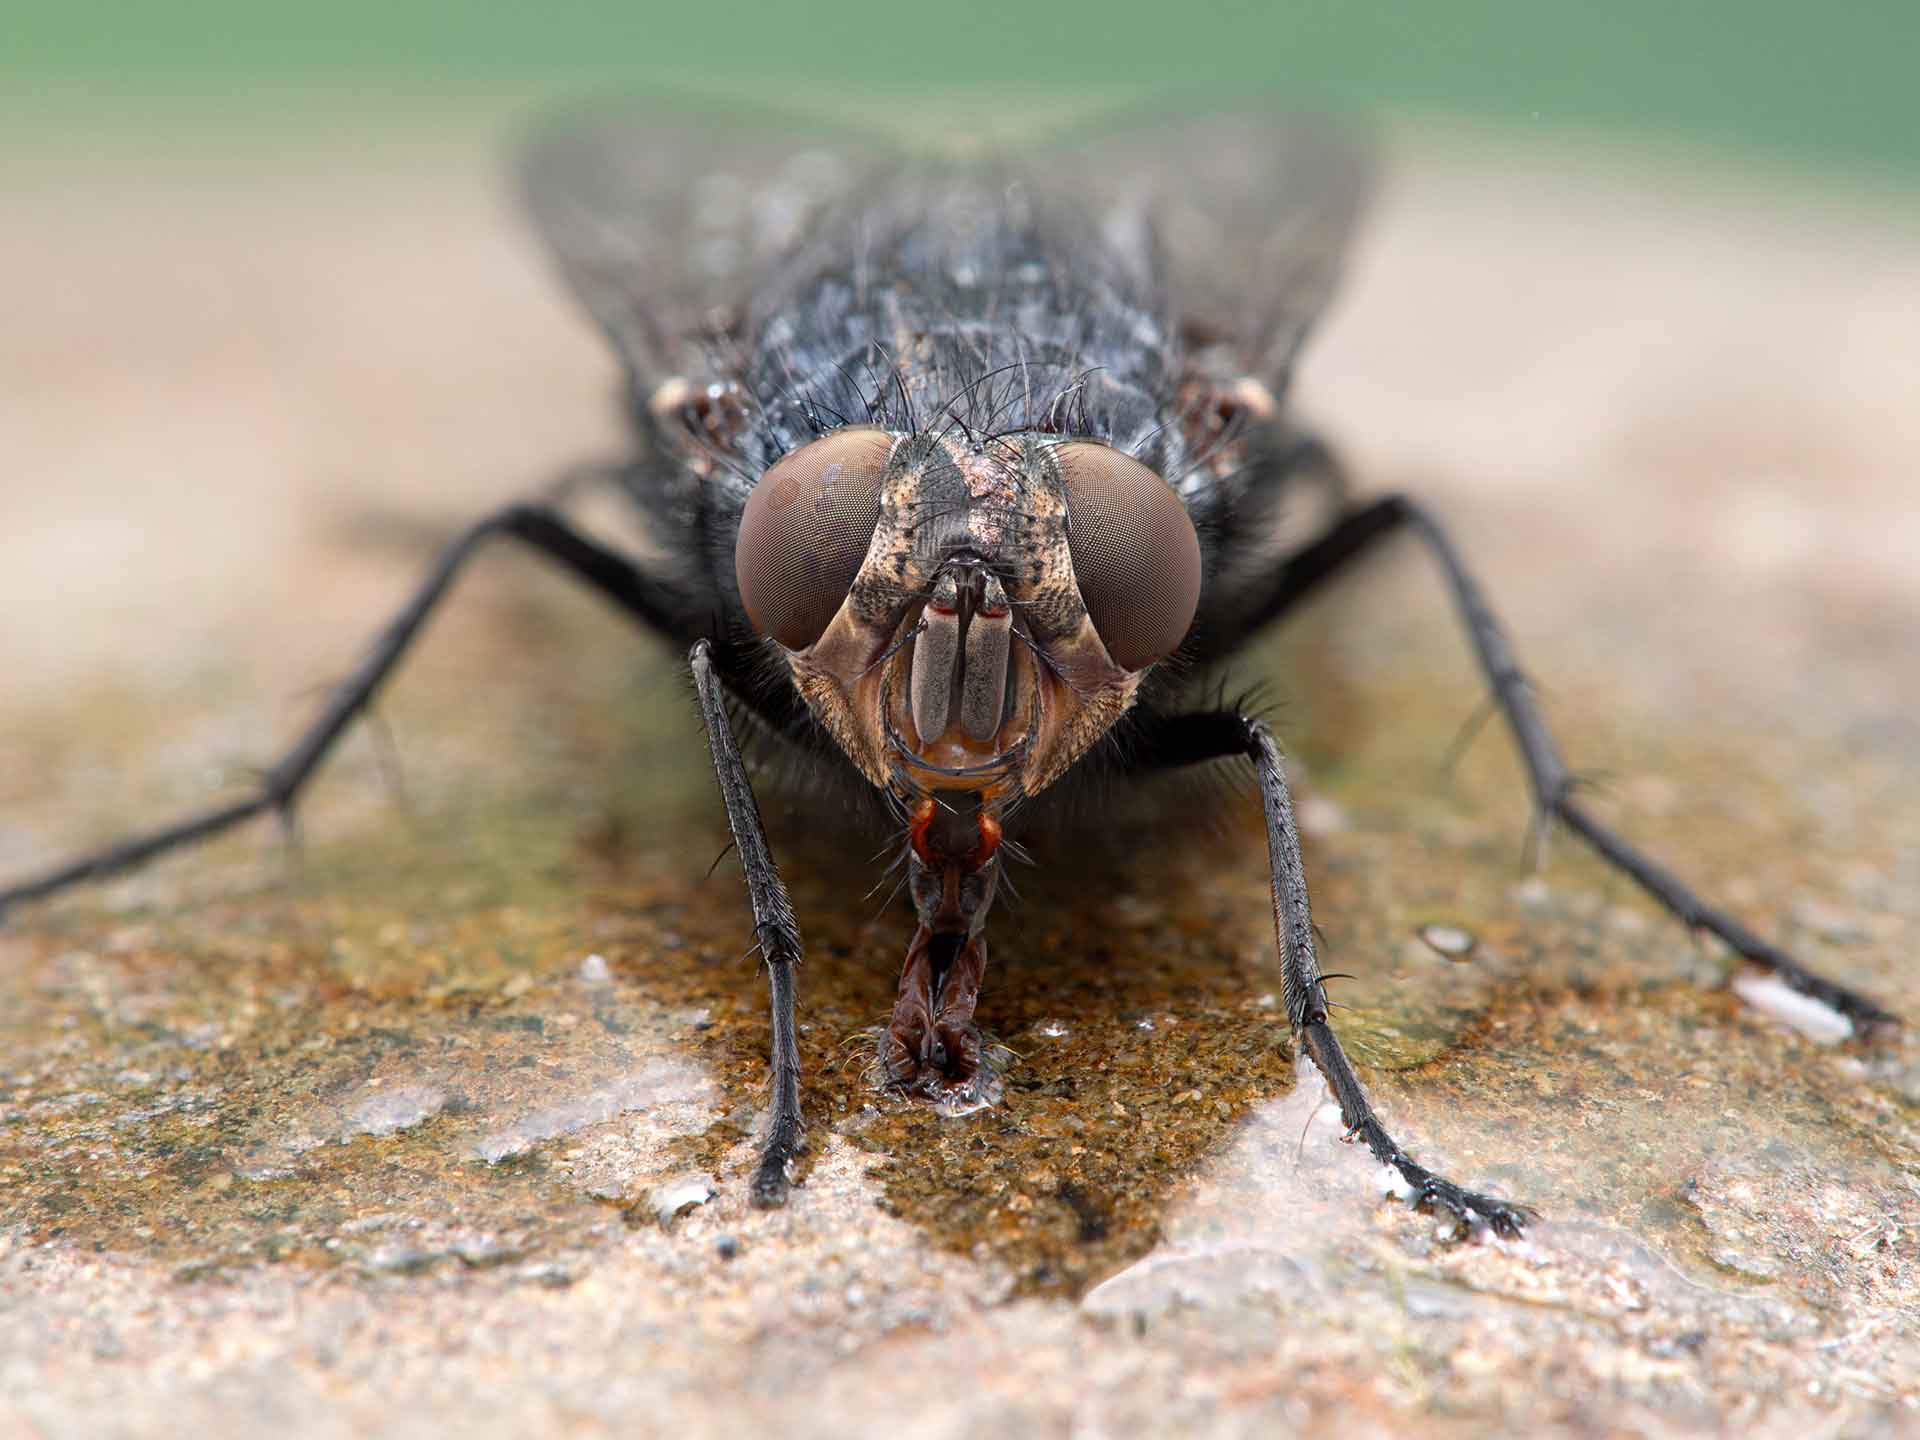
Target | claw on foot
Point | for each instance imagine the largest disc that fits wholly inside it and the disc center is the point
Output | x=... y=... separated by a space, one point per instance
x=1507 y=1220
x=770 y=1186
x=773 y=1177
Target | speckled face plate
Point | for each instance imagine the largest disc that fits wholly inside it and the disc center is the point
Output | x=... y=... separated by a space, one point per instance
x=947 y=507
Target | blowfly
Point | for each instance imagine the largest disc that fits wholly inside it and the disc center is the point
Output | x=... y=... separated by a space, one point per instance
x=962 y=472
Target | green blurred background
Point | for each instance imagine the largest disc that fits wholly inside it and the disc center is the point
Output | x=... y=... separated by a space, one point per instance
x=1823 y=87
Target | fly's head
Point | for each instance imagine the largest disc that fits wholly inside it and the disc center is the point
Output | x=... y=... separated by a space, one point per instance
x=964 y=619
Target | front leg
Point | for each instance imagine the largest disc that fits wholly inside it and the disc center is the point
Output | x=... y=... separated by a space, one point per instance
x=776 y=932
x=1190 y=739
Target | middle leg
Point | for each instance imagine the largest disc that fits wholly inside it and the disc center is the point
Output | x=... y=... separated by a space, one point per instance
x=1554 y=791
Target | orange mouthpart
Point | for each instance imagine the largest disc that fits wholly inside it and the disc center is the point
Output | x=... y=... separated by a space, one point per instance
x=922 y=824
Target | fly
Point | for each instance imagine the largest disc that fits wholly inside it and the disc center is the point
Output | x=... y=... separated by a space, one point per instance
x=961 y=473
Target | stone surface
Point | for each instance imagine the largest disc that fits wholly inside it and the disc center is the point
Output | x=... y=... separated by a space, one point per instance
x=406 y=1130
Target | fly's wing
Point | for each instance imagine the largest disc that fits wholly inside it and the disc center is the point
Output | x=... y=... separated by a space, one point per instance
x=663 y=218
x=1245 y=221
x=1245 y=218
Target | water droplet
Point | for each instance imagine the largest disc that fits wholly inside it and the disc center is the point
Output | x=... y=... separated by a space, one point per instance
x=1449 y=940
x=400 y=1258
x=387 y=1112
x=483 y=1252
x=644 y=1089
x=981 y=1093
x=679 y=1195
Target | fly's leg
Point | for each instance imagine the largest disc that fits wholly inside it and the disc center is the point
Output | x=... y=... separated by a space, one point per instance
x=776 y=931
x=1547 y=773
x=1211 y=735
x=542 y=529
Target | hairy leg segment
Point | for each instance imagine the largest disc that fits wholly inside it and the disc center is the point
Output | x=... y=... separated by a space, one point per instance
x=1167 y=742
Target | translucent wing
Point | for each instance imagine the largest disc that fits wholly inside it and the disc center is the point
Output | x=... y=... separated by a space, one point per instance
x=664 y=218
x=1245 y=217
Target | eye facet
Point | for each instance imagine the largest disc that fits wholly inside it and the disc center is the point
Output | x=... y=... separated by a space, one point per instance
x=1135 y=555
x=806 y=530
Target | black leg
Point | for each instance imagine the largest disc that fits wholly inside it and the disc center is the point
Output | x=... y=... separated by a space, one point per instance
x=542 y=529
x=1167 y=741
x=1547 y=773
x=776 y=930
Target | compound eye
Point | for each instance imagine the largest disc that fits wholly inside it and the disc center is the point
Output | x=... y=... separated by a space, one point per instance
x=805 y=532
x=1135 y=555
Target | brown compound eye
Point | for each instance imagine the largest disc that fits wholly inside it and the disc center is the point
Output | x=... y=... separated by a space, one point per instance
x=805 y=532
x=1135 y=555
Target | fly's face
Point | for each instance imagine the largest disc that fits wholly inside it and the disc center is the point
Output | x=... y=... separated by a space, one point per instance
x=966 y=617
x=966 y=620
